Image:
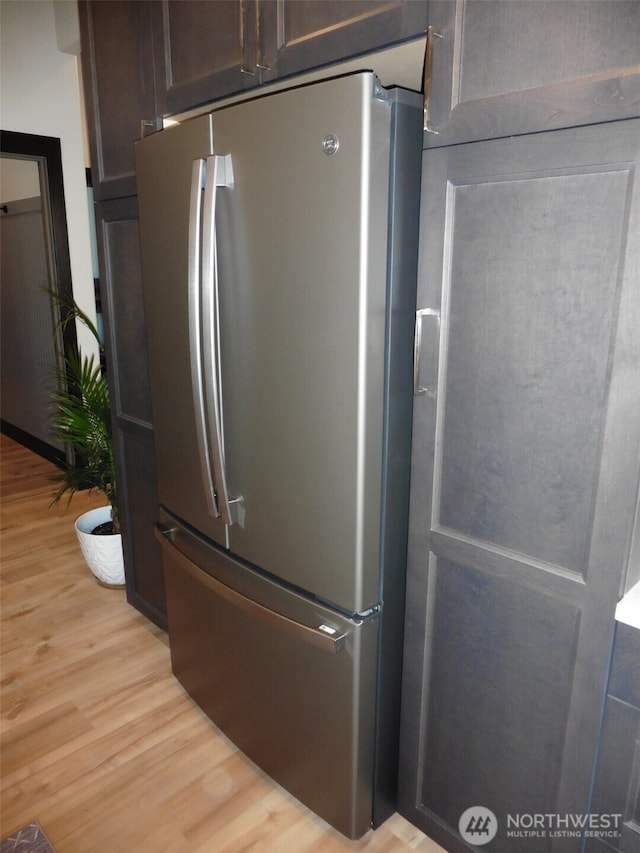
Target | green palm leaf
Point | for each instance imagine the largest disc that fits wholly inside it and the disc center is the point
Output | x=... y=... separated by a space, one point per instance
x=82 y=418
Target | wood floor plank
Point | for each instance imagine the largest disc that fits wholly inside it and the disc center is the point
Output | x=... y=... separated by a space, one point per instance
x=38 y=736
x=100 y=743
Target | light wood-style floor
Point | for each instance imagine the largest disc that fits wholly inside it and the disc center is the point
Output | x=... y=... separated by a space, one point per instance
x=99 y=742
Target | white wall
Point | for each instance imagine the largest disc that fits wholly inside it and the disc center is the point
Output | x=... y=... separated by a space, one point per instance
x=18 y=179
x=40 y=93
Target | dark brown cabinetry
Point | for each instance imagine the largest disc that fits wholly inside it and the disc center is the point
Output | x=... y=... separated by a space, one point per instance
x=117 y=66
x=296 y=36
x=524 y=474
x=617 y=781
x=501 y=68
x=121 y=291
x=200 y=51
x=526 y=434
x=207 y=50
x=119 y=89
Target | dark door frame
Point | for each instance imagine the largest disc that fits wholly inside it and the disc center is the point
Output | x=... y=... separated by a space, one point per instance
x=46 y=152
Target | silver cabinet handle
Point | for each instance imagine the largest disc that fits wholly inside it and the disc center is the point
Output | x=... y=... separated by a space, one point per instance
x=432 y=33
x=418 y=388
x=194 y=285
x=260 y=62
x=322 y=636
x=245 y=66
x=146 y=127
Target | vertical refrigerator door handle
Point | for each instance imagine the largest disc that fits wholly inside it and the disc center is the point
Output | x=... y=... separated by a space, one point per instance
x=219 y=173
x=195 y=331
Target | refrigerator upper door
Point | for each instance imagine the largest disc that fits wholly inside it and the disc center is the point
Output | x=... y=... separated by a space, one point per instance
x=171 y=172
x=302 y=257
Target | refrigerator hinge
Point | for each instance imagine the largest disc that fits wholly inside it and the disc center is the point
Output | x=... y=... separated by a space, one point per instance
x=368 y=614
x=379 y=92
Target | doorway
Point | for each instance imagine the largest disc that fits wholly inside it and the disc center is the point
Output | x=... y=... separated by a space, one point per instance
x=34 y=259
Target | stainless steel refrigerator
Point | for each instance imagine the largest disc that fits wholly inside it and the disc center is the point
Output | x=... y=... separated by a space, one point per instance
x=279 y=250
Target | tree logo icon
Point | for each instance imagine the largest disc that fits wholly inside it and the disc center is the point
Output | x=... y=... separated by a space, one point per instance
x=478 y=825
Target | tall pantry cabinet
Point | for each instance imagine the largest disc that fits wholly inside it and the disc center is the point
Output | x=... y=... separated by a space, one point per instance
x=524 y=472
x=117 y=67
x=526 y=439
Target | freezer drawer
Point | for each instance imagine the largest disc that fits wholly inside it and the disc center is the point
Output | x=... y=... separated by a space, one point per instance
x=295 y=697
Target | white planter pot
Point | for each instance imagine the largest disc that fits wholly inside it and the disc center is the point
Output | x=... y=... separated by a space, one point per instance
x=103 y=554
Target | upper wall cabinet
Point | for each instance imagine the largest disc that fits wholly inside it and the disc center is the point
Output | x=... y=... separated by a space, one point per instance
x=117 y=70
x=202 y=51
x=144 y=59
x=500 y=68
x=295 y=36
x=205 y=51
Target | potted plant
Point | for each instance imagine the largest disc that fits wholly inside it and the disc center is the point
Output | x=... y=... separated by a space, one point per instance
x=82 y=420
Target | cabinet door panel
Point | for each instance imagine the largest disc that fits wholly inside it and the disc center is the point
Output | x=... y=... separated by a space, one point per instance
x=489 y=638
x=299 y=36
x=502 y=68
x=121 y=291
x=117 y=69
x=617 y=781
x=199 y=51
x=144 y=571
x=525 y=472
x=526 y=378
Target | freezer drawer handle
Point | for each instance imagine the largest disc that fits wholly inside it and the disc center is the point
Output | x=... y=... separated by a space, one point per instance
x=323 y=636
